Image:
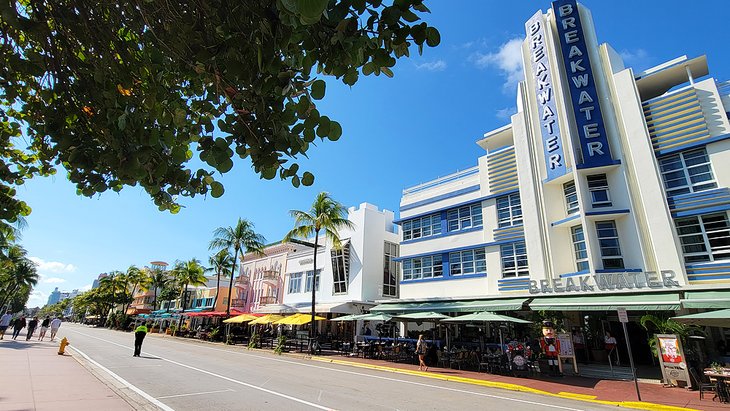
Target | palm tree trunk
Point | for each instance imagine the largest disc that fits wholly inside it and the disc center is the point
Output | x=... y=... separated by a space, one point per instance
x=184 y=300
x=230 y=284
x=217 y=288
x=134 y=289
x=312 y=330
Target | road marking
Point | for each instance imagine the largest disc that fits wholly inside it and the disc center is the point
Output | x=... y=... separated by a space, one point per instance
x=196 y=393
x=125 y=382
x=421 y=384
x=134 y=366
x=278 y=394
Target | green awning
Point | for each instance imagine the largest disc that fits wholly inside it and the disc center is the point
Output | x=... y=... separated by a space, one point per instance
x=719 y=318
x=509 y=304
x=706 y=299
x=635 y=302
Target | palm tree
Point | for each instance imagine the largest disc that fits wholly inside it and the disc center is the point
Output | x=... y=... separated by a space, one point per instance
x=138 y=278
x=158 y=279
x=241 y=238
x=19 y=274
x=188 y=273
x=220 y=263
x=327 y=216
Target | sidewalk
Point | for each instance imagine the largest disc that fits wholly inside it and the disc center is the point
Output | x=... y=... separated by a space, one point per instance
x=35 y=377
x=620 y=393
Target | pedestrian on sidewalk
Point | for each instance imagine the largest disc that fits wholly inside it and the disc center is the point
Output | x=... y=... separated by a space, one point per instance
x=421 y=349
x=55 y=325
x=139 y=334
x=18 y=325
x=5 y=323
x=44 y=327
x=32 y=324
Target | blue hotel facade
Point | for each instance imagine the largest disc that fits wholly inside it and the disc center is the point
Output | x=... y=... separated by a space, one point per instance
x=607 y=189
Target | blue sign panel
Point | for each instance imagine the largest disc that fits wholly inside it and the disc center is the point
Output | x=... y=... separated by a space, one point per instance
x=586 y=107
x=545 y=94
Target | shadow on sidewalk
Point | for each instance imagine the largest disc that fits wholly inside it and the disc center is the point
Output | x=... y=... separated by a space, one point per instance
x=22 y=344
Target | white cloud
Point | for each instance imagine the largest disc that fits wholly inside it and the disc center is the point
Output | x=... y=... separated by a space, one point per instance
x=506 y=113
x=53 y=280
x=438 y=65
x=37 y=299
x=52 y=266
x=638 y=59
x=508 y=59
x=87 y=287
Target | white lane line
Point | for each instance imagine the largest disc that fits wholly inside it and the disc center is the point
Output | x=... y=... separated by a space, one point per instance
x=223 y=377
x=125 y=382
x=196 y=393
x=134 y=366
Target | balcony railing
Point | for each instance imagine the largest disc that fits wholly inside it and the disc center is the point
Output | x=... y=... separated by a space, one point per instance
x=268 y=299
x=242 y=281
x=271 y=275
x=238 y=303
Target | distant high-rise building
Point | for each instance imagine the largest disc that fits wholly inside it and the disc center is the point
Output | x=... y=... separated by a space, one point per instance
x=54 y=297
x=95 y=284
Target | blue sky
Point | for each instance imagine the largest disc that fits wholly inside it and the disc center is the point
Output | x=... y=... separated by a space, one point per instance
x=398 y=132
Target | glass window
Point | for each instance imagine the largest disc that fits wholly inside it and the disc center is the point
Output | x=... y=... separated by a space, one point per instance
x=295 y=283
x=390 y=270
x=308 y=283
x=340 y=268
x=509 y=210
x=598 y=187
x=704 y=238
x=464 y=217
x=608 y=241
x=571 y=197
x=468 y=262
x=579 y=247
x=423 y=267
x=422 y=227
x=514 y=260
x=687 y=172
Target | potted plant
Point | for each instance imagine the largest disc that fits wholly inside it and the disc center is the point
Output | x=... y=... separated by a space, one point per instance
x=280 y=345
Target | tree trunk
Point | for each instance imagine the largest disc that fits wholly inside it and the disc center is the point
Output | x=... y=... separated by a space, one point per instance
x=230 y=284
x=184 y=300
x=217 y=287
x=312 y=330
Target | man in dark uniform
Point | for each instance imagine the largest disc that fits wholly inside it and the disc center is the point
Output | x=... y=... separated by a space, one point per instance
x=139 y=334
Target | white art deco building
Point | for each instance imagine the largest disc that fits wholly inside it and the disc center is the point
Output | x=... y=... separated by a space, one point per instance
x=608 y=188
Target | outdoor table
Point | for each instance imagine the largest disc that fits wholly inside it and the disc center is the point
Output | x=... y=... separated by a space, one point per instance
x=720 y=385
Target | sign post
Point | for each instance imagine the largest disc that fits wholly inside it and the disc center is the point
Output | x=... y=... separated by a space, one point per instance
x=623 y=317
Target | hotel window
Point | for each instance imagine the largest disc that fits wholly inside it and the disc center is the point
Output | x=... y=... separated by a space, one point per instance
x=423 y=267
x=598 y=187
x=422 y=227
x=464 y=217
x=509 y=210
x=340 y=268
x=687 y=172
x=467 y=262
x=704 y=238
x=571 y=197
x=514 y=260
x=579 y=246
x=209 y=302
x=608 y=241
x=308 y=283
x=390 y=270
x=295 y=283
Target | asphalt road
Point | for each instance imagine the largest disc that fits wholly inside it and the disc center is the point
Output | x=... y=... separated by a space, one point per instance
x=185 y=375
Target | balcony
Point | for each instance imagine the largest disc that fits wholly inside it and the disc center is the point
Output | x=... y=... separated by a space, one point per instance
x=270 y=277
x=242 y=281
x=238 y=303
x=266 y=300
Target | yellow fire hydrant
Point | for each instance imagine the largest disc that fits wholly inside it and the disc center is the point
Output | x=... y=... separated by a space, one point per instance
x=62 y=347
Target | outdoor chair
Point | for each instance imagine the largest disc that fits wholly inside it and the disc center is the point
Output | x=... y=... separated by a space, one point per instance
x=703 y=383
x=458 y=358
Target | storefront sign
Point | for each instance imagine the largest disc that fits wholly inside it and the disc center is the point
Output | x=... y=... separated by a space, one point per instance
x=545 y=94
x=671 y=358
x=605 y=282
x=305 y=261
x=579 y=73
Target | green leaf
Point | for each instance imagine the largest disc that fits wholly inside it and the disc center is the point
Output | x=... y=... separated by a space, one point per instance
x=179 y=119
x=323 y=129
x=311 y=9
x=216 y=189
x=295 y=181
x=433 y=37
x=318 y=89
x=351 y=77
x=307 y=179
x=335 y=131
x=388 y=72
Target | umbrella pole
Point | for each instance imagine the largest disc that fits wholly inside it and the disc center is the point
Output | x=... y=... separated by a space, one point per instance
x=501 y=341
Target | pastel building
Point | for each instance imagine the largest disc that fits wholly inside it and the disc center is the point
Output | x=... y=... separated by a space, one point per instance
x=260 y=282
x=608 y=188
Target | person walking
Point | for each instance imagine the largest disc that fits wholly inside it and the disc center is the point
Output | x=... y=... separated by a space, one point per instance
x=5 y=323
x=139 y=334
x=55 y=325
x=44 y=327
x=32 y=324
x=421 y=349
x=18 y=325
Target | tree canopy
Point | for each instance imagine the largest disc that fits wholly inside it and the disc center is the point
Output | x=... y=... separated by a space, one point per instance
x=165 y=95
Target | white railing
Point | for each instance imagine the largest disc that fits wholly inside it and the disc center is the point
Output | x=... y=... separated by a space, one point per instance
x=442 y=180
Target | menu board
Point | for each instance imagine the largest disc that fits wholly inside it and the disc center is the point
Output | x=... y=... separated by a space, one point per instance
x=566 y=345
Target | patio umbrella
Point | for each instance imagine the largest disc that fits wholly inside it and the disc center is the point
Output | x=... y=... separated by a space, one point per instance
x=424 y=316
x=243 y=318
x=487 y=316
x=266 y=319
x=719 y=318
x=350 y=317
x=298 y=319
x=376 y=317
